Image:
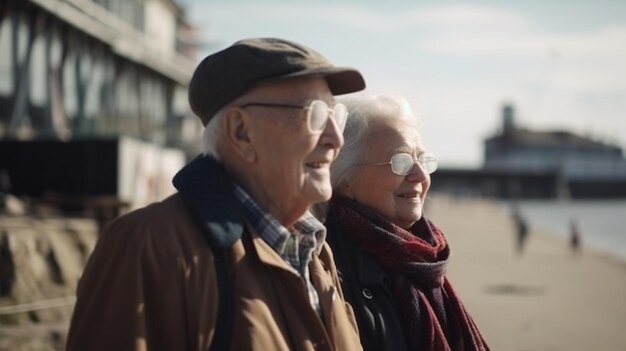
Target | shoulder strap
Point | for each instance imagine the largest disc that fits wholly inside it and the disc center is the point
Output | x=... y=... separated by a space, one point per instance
x=224 y=320
x=203 y=183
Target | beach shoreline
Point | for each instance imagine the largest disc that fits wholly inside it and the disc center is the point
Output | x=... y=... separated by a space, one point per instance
x=544 y=299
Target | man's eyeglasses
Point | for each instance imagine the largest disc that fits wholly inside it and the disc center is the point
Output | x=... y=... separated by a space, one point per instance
x=317 y=113
x=402 y=164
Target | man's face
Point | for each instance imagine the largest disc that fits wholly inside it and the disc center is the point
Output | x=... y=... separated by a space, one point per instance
x=293 y=164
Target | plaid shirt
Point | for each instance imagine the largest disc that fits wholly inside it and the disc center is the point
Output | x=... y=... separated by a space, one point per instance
x=295 y=245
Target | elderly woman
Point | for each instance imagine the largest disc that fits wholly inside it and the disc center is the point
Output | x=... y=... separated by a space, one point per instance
x=392 y=259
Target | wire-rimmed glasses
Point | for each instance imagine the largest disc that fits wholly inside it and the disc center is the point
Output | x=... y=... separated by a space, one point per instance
x=402 y=163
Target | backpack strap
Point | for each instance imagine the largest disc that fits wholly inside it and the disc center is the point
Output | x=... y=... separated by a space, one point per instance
x=225 y=309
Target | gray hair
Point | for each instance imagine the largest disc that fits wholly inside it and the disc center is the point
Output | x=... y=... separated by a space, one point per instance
x=214 y=129
x=211 y=135
x=391 y=110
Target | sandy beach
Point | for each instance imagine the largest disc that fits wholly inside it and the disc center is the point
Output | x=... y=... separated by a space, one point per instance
x=543 y=300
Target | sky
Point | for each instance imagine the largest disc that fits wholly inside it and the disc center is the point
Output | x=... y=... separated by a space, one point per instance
x=560 y=64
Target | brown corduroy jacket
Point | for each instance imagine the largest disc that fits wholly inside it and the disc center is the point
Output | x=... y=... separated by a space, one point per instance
x=150 y=284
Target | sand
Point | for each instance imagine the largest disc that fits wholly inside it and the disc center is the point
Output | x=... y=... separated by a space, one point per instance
x=545 y=299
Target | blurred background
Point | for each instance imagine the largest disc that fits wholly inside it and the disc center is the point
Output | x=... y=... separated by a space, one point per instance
x=523 y=102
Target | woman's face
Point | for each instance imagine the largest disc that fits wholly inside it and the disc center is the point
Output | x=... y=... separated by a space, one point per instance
x=399 y=198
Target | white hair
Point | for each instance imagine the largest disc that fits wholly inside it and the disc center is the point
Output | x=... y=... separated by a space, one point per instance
x=211 y=134
x=392 y=110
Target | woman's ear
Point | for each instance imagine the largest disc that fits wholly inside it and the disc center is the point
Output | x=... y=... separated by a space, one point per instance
x=238 y=127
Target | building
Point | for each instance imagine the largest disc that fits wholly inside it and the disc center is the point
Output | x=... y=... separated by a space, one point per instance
x=102 y=83
x=523 y=163
x=96 y=68
x=574 y=157
x=587 y=167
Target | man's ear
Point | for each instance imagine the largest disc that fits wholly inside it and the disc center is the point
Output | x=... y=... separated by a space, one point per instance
x=238 y=127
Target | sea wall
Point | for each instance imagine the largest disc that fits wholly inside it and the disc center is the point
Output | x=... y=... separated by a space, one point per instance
x=41 y=260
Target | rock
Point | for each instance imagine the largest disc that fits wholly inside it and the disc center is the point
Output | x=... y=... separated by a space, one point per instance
x=41 y=260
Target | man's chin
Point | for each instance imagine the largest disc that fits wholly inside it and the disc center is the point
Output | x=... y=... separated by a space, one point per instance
x=320 y=194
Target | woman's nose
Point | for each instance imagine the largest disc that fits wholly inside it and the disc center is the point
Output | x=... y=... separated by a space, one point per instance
x=417 y=173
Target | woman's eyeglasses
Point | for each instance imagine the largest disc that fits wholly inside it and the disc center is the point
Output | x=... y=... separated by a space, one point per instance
x=402 y=163
x=317 y=113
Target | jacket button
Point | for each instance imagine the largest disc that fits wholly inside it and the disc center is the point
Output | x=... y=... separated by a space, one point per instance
x=367 y=293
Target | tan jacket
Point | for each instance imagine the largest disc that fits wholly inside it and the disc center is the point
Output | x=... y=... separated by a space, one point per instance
x=150 y=285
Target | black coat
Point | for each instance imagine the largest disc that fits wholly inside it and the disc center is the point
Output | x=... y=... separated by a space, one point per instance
x=368 y=288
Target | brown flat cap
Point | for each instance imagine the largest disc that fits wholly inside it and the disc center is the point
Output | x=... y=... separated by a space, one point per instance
x=224 y=76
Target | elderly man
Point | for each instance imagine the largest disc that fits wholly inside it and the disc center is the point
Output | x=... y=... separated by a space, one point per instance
x=234 y=260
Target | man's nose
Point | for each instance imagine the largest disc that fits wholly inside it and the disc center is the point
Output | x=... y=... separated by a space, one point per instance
x=331 y=135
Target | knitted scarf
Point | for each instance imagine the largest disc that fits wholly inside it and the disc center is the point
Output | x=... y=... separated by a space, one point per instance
x=433 y=316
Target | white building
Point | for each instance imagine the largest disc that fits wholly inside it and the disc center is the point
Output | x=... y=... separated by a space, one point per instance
x=573 y=157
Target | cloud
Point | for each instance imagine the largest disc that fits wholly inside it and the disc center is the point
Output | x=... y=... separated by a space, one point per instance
x=580 y=61
x=485 y=33
x=463 y=15
x=370 y=18
x=456 y=64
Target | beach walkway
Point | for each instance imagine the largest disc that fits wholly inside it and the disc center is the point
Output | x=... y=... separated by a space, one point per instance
x=543 y=300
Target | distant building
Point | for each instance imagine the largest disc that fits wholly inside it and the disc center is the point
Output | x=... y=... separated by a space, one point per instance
x=96 y=68
x=521 y=163
x=573 y=157
x=93 y=95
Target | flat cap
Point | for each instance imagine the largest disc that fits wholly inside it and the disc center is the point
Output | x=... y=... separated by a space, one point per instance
x=225 y=75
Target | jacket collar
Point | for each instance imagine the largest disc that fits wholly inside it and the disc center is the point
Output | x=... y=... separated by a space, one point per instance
x=209 y=195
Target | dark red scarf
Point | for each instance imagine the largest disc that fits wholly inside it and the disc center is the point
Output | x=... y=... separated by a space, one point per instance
x=433 y=315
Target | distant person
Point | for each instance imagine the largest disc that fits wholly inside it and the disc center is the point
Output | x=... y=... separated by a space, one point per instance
x=521 y=231
x=575 y=239
x=392 y=260
x=234 y=260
